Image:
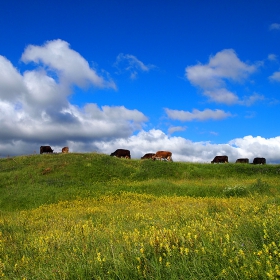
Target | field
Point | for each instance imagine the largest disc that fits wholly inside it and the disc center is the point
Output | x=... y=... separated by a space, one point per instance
x=92 y=216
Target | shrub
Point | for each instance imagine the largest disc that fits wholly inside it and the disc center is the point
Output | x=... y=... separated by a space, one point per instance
x=235 y=191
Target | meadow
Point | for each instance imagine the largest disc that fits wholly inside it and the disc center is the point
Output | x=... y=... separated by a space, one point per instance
x=92 y=216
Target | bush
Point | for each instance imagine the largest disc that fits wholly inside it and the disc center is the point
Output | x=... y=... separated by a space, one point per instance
x=235 y=191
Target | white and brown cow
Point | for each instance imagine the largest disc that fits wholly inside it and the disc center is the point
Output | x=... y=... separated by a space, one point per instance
x=65 y=150
x=166 y=155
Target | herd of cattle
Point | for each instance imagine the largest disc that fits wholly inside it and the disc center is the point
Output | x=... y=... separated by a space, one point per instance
x=48 y=149
x=224 y=159
x=160 y=155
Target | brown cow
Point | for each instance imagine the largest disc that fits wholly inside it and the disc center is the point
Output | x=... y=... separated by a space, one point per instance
x=259 y=160
x=65 y=150
x=242 y=160
x=121 y=153
x=220 y=159
x=45 y=149
x=163 y=155
x=148 y=156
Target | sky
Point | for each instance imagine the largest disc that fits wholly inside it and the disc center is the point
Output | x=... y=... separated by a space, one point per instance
x=197 y=78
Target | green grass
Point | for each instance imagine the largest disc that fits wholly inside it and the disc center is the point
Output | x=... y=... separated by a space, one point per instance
x=29 y=181
x=92 y=216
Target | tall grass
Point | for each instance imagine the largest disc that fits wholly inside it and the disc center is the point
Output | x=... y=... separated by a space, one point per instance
x=133 y=236
x=91 y=216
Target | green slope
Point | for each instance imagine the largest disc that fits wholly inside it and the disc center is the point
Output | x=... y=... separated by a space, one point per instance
x=30 y=181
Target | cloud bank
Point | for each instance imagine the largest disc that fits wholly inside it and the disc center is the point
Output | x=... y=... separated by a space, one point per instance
x=186 y=150
x=35 y=109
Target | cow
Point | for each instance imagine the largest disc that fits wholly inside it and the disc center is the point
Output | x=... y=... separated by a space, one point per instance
x=65 y=150
x=45 y=149
x=242 y=160
x=148 y=156
x=121 y=153
x=259 y=160
x=220 y=159
x=163 y=155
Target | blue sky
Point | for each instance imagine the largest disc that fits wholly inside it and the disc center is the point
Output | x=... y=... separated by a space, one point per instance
x=198 y=78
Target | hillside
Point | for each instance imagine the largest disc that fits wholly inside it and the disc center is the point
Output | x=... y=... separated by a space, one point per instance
x=92 y=216
x=30 y=181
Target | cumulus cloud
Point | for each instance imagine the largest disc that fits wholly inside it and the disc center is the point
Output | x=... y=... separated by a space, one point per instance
x=11 y=84
x=212 y=78
x=35 y=108
x=274 y=26
x=68 y=64
x=197 y=115
x=258 y=147
x=131 y=64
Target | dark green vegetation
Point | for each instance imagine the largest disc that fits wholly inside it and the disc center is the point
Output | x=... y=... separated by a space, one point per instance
x=27 y=182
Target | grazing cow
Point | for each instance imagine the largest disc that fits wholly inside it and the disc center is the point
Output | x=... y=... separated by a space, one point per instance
x=163 y=155
x=148 y=156
x=220 y=159
x=259 y=160
x=65 y=150
x=242 y=160
x=45 y=149
x=121 y=153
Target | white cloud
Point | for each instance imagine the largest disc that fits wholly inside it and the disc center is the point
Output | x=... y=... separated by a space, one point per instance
x=272 y=57
x=173 y=129
x=11 y=83
x=212 y=78
x=131 y=64
x=274 y=26
x=249 y=100
x=258 y=147
x=68 y=64
x=197 y=115
x=275 y=77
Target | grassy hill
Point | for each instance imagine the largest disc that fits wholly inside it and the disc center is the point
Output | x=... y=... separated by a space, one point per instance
x=29 y=181
x=92 y=216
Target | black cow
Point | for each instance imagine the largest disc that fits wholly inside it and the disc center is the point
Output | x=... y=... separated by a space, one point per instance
x=220 y=159
x=45 y=149
x=121 y=153
x=259 y=160
x=242 y=160
x=148 y=156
